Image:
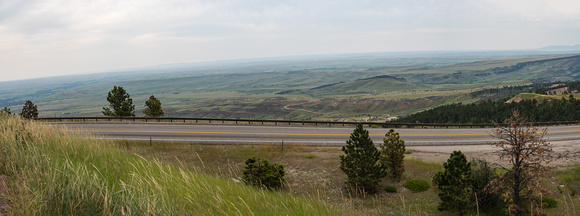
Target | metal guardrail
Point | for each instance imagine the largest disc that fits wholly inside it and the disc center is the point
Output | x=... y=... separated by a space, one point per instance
x=289 y=122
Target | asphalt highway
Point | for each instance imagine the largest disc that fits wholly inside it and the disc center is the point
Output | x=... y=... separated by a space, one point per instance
x=258 y=134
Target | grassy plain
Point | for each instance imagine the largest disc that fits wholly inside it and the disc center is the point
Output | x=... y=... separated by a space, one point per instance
x=313 y=173
x=295 y=89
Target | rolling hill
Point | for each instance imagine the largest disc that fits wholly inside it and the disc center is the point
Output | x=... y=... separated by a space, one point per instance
x=320 y=88
x=372 y=85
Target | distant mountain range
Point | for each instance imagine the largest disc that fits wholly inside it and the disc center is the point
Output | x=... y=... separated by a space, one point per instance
x=562 y=48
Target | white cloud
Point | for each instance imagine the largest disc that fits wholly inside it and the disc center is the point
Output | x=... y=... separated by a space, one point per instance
x=61 y=37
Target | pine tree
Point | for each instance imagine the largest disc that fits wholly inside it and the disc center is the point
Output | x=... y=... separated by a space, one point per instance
x=393 y=154
x=153 y=107
x=455 y=184
x=29 y=110
x=360 y=161
x=120 y=103
x=6 y=110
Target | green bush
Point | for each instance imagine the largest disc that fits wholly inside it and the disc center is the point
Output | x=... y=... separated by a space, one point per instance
x=309 y=156
x=549 y=202
x=259 y=172
x=483 y=173
x=408 y=151
x=417 y=185
x=391 y=189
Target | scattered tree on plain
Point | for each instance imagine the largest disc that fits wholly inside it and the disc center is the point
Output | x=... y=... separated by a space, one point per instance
x=455 y=184
x=527 y=152
x=153 y=107
x=259 y=172
x=393 y=154
x=360 y=162
x=29 y=110
x=120 y=103
x=6 y=110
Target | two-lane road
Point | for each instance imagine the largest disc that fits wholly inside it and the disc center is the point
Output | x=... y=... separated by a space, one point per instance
x=254 y=134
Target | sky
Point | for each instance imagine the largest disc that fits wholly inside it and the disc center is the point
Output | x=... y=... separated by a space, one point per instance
x=40 y=38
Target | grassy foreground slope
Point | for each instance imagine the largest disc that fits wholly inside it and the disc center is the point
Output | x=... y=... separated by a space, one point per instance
x=54 y=172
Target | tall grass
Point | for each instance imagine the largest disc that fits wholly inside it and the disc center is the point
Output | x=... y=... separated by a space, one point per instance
x=55 y=172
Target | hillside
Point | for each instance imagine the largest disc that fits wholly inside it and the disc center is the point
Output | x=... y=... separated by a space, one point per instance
x=65 y=173
x=323 y=89
x=372 y=85
x=534 y=96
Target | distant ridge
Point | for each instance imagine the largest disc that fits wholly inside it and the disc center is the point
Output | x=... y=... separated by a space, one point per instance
x=563 y=48
x=364 y=79
x=386 y=77
x=327 y=85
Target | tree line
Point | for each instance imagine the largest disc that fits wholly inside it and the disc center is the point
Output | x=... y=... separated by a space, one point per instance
x=497 y=111
x=120 y=105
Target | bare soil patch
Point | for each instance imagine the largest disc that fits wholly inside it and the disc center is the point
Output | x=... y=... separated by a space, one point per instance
x=565 y=152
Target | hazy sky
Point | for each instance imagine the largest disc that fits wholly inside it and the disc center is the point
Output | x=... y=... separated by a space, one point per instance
x=53 y=37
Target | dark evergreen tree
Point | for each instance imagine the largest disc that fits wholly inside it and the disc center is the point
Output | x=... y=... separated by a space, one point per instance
x=6 y=110
x=393 y=154
x=29 y=110
x=259 y=172
x=120 y=103
x=483 y=174
x=360 y=161
x=153 y=107
x=455 y=184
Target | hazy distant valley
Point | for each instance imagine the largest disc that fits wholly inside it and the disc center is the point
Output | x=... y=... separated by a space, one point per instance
x=354 y=87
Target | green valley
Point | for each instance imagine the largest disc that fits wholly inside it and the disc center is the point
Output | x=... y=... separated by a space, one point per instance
x=337 y=87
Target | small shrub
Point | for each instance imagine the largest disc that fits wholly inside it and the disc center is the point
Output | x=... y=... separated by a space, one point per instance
x=259 y=172
x=408 y=151
x=391 y=189
x=483 y=173
x=309 y=156
x=417 y=185
x=549 y=202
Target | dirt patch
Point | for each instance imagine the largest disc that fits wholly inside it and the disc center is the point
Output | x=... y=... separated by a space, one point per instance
x=565 y=153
